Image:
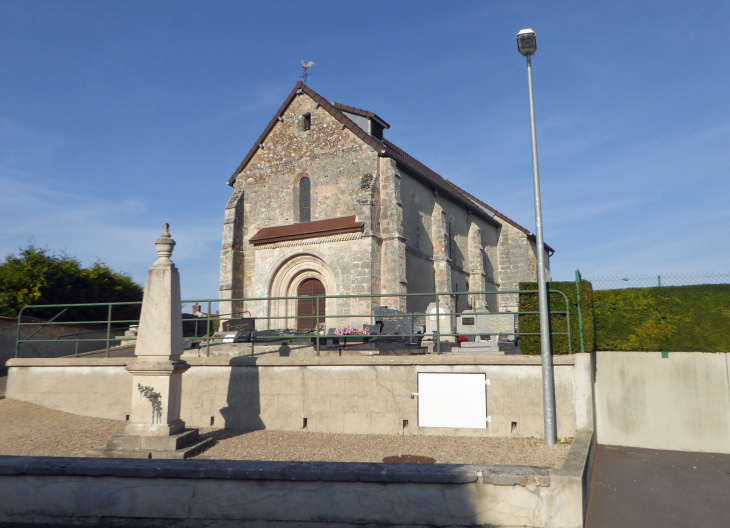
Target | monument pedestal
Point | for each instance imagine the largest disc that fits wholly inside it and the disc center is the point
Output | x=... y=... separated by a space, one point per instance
x=155 y=429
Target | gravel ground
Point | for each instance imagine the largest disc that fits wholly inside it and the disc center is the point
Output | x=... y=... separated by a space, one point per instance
x=31 y=430
x=286 y=445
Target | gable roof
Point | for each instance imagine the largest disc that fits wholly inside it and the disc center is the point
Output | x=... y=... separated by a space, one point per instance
x=385 y=149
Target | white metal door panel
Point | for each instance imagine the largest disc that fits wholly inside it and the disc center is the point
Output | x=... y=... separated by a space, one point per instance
x=452 y=400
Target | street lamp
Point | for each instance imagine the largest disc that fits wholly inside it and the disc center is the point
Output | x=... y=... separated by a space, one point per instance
x=527 y=45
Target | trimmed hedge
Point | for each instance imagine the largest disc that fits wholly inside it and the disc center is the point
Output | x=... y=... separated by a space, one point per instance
x=671 y=319
x=531 y=323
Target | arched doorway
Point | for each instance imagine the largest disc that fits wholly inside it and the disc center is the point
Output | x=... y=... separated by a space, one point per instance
x=307 y=308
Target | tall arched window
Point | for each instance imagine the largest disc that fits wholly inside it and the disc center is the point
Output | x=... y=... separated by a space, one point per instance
x=449 y=237
x=305 y=200
x=413 y=227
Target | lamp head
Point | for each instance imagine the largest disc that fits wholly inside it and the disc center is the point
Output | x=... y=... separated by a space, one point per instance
x=526 y=43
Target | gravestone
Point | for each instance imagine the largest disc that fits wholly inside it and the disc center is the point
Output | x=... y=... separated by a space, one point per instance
x=265 y=335
x=470 y=323
x=390 y=328
x=503 y=323
x=332 y=338
x=404 y=323
x=445 y=322
x=485 y=325
x=374 y=329
x=241 y=325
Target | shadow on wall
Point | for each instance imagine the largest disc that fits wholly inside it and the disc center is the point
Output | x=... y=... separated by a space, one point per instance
x=244 y=397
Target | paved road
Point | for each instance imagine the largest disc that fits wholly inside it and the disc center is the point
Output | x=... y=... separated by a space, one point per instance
x=668 y=489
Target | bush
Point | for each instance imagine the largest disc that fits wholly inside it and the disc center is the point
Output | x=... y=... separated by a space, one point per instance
x=34 y=276
x=672 y=319
x=529 y=302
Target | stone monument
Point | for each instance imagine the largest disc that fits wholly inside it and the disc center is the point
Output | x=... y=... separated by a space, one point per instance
x=471 y=322
x=444 y=322
x=155 y=429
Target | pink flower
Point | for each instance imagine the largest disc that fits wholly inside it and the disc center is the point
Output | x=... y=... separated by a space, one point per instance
x=353 y=331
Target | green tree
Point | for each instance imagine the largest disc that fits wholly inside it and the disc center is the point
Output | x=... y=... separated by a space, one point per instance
x=35 y=276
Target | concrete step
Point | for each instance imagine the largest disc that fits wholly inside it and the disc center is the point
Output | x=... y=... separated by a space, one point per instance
x=154 y=443
x=183 y=445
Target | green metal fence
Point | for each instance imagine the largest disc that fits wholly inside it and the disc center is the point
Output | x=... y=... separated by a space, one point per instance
x=441 y=299
x=107 y=326
x=658 y=280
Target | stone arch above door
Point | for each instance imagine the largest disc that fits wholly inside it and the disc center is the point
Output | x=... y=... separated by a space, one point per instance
x=285 y=281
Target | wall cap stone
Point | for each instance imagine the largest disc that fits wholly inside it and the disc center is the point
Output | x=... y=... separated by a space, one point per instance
x=322 y=361
x=267 y=470
x=573 y=467
x=69 y=362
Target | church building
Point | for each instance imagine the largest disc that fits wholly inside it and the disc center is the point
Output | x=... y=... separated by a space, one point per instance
x=324 y=204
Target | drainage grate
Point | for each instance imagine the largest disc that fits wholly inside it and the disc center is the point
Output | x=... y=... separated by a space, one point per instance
x=409 y=459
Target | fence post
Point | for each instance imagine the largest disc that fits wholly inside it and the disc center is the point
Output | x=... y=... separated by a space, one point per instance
x=659 y=279
x=108 y=328
x=317 y=324
x=207 y=333
x=17 y=335
x=580 y=315
x=438 y=327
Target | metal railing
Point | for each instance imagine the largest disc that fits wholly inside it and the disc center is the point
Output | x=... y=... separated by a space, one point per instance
x=437 y=313
x=442 y=299
x=64 y=308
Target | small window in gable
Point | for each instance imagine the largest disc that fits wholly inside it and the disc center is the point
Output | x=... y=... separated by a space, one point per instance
x=305 y=122
x=305 y=200
x=376 y=130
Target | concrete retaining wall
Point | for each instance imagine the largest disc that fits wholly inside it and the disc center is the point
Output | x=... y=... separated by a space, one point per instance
x=681 y=402
x=286 y=494
x=336 y=395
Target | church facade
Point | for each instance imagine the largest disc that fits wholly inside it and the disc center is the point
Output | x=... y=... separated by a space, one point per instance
x=324 y=204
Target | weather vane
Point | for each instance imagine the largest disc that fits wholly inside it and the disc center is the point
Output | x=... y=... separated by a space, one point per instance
x=306 y=66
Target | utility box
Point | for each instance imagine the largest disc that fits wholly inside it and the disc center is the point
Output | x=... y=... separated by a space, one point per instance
x=456 y=400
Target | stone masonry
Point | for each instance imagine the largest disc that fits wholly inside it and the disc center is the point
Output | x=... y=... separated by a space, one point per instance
x=418 y=232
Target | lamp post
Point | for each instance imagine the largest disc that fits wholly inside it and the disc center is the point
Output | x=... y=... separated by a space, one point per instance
x=527 y=45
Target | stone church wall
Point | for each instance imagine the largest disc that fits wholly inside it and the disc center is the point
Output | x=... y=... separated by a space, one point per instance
x=415 y=238
x=341 y=170
x=341 y=262
x=428 y=219
x=517 y=263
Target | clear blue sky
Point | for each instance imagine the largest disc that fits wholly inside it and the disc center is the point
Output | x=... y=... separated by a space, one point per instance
x=118 y=116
